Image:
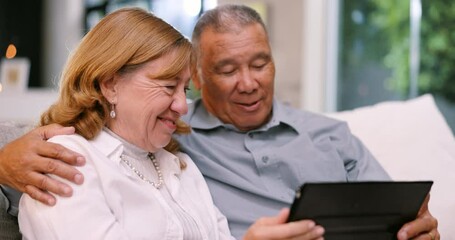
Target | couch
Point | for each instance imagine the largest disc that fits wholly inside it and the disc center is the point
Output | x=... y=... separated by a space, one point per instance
x=410 y=139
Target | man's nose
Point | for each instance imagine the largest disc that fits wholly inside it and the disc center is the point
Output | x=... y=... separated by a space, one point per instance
x=247 y=83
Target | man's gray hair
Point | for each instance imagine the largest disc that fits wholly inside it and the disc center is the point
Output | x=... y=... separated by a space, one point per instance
x=226 y=18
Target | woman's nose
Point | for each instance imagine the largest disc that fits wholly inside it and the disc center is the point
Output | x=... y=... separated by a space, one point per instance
x=179 y=104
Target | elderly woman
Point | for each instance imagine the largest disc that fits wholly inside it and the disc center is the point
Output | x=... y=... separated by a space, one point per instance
x=124 y=91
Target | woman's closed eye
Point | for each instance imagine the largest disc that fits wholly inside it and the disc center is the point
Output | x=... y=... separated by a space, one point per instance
x=171 y=89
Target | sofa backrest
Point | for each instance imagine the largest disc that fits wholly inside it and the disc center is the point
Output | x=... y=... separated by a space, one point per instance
x=412 y=141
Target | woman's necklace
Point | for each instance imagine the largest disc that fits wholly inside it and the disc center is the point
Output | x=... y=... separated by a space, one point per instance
x=141 y=176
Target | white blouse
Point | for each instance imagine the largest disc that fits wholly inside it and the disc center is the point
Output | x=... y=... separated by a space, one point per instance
x=114 y=203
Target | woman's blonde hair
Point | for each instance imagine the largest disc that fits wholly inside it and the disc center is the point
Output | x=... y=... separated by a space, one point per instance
x=121 y=42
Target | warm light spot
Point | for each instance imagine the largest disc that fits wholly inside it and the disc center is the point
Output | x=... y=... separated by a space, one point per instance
x=1 y=88
x=11 y=51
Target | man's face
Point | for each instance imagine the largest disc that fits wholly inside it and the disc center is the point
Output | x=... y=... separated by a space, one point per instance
x=236 y=76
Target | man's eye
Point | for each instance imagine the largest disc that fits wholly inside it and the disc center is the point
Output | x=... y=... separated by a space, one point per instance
x=227 y=72
x=258 y=66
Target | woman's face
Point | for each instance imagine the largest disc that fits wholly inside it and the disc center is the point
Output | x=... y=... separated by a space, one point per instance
x=147 y=109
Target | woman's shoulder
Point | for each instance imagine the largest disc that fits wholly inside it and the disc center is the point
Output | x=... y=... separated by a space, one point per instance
x=67 y=137
x=75 y=140
x=103 y=142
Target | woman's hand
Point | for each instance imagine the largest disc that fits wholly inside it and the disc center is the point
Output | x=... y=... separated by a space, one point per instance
x=276 y=228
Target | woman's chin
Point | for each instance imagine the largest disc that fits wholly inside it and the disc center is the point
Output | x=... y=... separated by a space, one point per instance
x=164 y=141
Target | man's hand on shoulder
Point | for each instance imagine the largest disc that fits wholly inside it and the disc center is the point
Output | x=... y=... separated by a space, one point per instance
x=25 y=161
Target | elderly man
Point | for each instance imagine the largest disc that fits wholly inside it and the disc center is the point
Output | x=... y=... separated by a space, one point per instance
x=253 y=150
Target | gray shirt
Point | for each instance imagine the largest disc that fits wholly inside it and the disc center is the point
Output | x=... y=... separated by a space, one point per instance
x=254 y=174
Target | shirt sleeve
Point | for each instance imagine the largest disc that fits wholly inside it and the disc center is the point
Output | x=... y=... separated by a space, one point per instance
x=85 y=215
x=11 y=199
x=359 y=163
x=8 y=223
x=223 y=225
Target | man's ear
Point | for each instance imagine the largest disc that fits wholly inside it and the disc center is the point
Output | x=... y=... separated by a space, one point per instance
x=108 y=88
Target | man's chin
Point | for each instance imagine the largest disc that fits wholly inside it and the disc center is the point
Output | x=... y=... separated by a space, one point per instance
x=251 y=124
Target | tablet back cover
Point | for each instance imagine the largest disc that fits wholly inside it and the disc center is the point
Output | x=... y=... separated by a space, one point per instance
x=360 y=210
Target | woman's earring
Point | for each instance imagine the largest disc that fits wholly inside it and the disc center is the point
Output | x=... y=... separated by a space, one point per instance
x=112 y=114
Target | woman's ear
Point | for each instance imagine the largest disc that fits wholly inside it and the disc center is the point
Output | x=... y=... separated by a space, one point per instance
x=109 y=89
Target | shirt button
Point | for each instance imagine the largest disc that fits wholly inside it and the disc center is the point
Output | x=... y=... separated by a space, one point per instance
x=265 y=159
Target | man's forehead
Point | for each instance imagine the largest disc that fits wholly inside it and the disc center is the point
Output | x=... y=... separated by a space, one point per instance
x=230 y=41
x=233 y=30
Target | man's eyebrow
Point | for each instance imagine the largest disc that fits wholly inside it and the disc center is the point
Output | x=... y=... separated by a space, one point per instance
x=262 y=55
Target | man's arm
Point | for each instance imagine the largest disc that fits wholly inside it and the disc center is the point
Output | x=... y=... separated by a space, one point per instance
x=425 y=226
x=25 y=161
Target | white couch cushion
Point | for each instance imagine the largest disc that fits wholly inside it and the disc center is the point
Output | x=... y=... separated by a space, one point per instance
x=412 y=141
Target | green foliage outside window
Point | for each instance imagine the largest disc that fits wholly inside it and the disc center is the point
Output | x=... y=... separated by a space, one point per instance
x=193 y=93
x=437 y=51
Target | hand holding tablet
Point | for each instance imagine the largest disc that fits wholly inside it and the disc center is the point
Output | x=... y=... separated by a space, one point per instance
x=360 y=210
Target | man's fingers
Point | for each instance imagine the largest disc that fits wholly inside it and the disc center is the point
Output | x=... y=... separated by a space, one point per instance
x=27 y=160
x=58 y=168
x=39 y=195
x=48 y=184
x=420 y=227
x=428 y=236
x=424 y=208
x=56 y=151
x=55 y=129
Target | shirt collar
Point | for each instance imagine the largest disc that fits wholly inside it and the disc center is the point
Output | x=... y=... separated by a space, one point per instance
x=199 y=118
x=113 y=148
x=108 y=146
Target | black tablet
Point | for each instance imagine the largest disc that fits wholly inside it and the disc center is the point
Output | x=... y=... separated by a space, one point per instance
x=360 y=210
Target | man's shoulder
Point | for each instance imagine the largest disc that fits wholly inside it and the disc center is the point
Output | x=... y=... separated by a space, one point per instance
x=191 y=109
x=307 y=119
x=315 y=125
